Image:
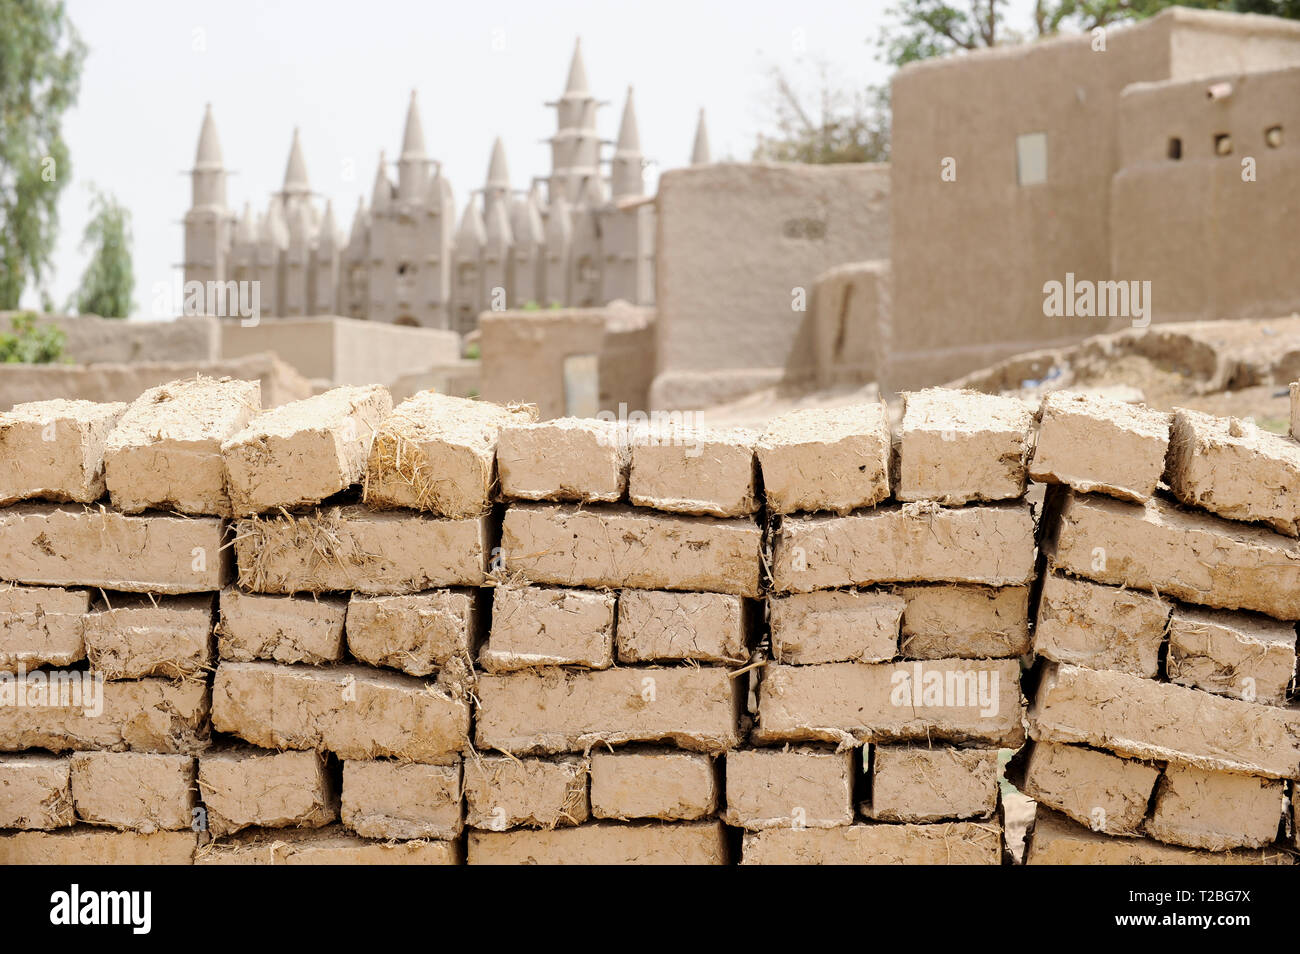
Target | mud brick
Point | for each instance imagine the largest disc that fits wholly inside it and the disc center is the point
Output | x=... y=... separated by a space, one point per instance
x=1239 y=655
x=35 y=791
x=143 y=636
x=73 y=546
x=835 y=626
x=287 y=629
x=958 y=700
x=1175 y=552
x=143 y=715
x=353 y=711
x=325 y=846
x=437 y=453
x=1100 y=445
x=877 y=843
x=649 y=783
x=302 y=452
x=1215 y=811
x=54 y=450
x=352 y=548
x=549 y=626
x=399 y=802
x=245 y=787
x=968 y=622
x=570 y=458
x=614 y=547
x=694 y=470
x=88 y=845
x=41 y=626
x=503 y=792
x=1103 y=791
x=1056 y=840
x=922 y=784
x=789 y=788
x=1232 y=468
x=834 y=459
x=1101 y=627
x=417 y=633
x=658 y=625
x=603 y=843
x=1144 y=719
x=165 y=452
x=134 y=790
x=557 y=710
x=959 y=446
x=916 y=543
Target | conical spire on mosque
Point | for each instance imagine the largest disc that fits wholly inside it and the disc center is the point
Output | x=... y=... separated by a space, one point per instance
x=273 y=232
x=499 y=237
x=300 y=226
x=208 y=154
x=329 y=233
x=498 y=175
x=575 y=147
x=208 y=177
x=382 y=194
x=627 y=173
x=472 y=233
x=360 y=222
x=295 y=171
x=559 y=223
x=413 y=164
x=496 y=188
x=526 y=218
x=246 y=229
x=413 y=134
x=700 y=155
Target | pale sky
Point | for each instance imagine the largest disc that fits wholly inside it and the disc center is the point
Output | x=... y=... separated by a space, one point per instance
x=343 y=73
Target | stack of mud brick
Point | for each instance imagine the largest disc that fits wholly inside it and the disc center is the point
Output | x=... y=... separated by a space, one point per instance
x=345 y=632
x=106 y=620
x=899 y=602
x=1161 y=727
x=238 y=720
x=332 y=634
x=622 y=617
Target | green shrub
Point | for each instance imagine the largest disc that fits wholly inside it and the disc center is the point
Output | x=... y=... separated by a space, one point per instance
x=30 y=343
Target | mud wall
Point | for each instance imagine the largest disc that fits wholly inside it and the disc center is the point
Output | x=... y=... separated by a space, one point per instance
x=442 y=632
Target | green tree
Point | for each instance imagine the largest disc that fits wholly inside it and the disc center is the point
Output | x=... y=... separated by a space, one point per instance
x=826 y=125
x=109 y=280
x=30 y=343
x=1278 y=8
x=40 y=70
x=921 y=29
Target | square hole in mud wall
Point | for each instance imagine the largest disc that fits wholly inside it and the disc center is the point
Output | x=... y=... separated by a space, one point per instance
x=1175 y=147
x=1031 y=158
x=1222 y=144
x=1273 y=136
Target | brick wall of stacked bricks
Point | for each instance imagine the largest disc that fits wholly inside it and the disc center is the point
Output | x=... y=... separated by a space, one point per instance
x=343 y=632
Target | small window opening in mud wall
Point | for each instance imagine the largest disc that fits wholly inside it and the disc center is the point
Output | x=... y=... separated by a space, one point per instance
x=1175 y=147
x=1273 y=136
x=1031 y=158
x=1222 y=144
